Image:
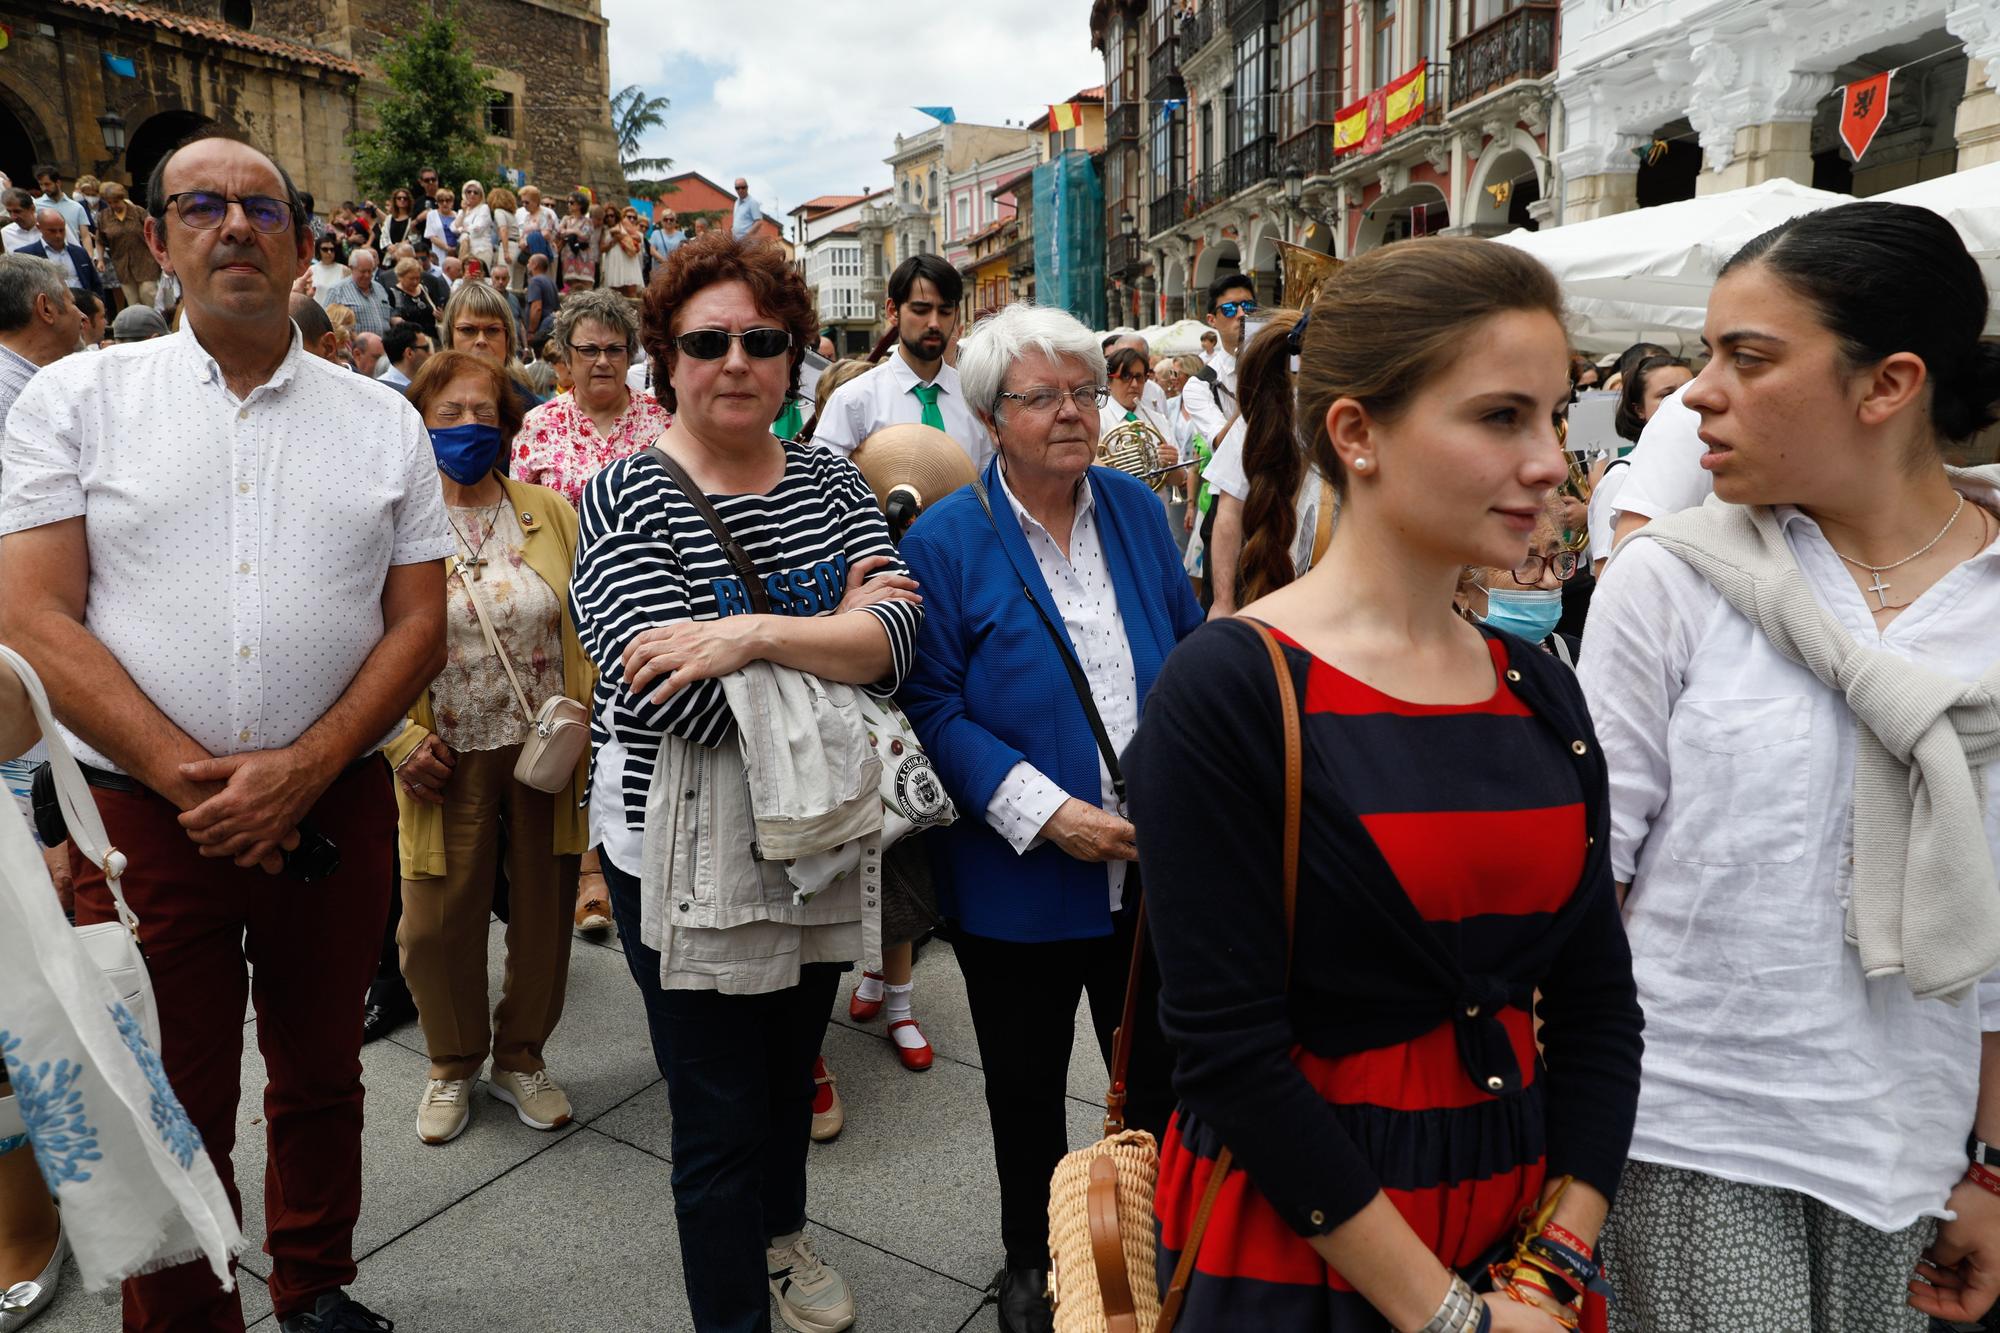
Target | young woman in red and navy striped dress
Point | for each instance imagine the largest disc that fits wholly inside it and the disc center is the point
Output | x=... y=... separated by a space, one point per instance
x=1389 y=1110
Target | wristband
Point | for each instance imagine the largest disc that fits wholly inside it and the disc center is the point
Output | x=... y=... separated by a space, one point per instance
x=1983 y=1177
x=1986 y=1154
x=1564 y=1236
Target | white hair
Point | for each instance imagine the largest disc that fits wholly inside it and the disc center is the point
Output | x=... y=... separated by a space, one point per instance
x=998 y=341
x=361 y=250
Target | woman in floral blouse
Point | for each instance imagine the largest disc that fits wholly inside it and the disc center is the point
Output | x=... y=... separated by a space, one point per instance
x=566 y=440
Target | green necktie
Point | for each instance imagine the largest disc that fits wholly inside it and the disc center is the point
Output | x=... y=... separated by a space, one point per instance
x=927 y=395
x=1131 y=415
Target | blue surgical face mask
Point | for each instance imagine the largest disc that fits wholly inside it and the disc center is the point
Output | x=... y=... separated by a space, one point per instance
x=1526 y=613
x=466 y=453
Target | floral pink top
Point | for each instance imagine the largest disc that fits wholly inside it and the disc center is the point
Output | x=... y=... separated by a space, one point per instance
x=559 y=446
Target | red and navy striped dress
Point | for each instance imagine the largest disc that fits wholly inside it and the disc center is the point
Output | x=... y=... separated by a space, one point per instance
x=1486 y=836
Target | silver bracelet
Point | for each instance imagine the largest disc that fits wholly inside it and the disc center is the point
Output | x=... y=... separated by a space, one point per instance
x=1460 y=1311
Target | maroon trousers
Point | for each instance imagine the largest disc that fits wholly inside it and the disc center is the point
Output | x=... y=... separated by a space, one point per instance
x=311 y=950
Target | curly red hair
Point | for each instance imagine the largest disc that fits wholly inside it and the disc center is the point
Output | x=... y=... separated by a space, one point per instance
x=775 y=286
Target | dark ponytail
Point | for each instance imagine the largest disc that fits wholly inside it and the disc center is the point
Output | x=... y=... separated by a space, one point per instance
x=1274 y=459
x=1888 y=278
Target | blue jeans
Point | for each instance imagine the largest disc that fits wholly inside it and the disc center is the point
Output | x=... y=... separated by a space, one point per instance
x=739 y=1084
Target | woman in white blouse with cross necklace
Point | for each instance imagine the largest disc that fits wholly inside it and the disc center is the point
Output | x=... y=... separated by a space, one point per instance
x=1795 y=691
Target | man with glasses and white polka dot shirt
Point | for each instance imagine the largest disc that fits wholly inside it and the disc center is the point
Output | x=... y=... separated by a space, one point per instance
x=230 y=624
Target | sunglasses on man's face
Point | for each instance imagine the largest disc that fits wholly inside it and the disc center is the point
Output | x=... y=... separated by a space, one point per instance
x=713 y=344
x=1231 y=309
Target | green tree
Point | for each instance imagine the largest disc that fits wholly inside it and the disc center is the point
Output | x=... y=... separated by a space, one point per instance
x=632 y=114
x=434 y=113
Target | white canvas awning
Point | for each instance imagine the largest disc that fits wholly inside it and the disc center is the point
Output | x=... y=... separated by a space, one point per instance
x=1645 y=275
x=1969 y=201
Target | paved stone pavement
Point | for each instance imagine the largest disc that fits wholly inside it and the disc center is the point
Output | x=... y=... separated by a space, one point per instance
x=510 y=1229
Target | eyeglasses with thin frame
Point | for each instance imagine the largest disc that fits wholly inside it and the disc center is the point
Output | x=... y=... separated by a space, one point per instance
x=1231 y=309
x=608 y=352
x=1087 y=397
x=1529 y=572
x=713 y=344
x=204 y=210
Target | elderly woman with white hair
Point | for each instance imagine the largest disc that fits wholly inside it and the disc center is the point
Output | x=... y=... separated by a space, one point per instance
x=1051 y=570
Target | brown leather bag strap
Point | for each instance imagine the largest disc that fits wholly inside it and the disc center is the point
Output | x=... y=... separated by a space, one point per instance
x=1121 y=1040
x=1288 y=706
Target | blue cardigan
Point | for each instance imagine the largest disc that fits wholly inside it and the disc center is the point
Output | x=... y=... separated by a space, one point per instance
x=988 y=689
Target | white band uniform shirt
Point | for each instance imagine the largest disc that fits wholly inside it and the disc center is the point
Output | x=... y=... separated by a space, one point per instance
x=1226 y=474
x=1666 y=472
x=881 y=397
x=238 y=547
x=1087 y=601
x=1770 y=1059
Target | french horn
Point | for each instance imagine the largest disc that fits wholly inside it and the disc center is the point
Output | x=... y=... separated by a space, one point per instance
x=1135 y=447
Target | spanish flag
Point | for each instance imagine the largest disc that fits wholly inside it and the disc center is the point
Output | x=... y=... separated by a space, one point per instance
x=1404 y=101
x=1063 y=116
x=1350 y=126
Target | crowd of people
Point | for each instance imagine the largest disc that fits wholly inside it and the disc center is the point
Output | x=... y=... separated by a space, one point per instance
x=1610 y=939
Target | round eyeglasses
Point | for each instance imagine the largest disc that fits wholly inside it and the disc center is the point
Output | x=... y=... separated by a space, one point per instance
x=1529 y=572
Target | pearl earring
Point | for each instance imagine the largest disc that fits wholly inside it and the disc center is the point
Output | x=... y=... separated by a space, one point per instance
x=1360 y=465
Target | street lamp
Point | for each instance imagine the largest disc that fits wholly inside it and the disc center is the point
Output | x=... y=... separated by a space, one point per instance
x=1126 y=223
x=1295 y=185
x=112 y=125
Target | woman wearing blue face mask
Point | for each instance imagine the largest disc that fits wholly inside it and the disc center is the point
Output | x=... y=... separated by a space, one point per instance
x=1526 y=600
x=455 y=785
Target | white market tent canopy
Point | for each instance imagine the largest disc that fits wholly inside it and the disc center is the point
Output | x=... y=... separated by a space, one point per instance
x=1969 y=201
x=1645 y=275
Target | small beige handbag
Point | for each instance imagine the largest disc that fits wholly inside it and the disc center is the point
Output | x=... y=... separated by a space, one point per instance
x=560 y=728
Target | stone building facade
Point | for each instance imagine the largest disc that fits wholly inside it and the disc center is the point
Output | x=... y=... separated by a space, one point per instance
x=296 y=75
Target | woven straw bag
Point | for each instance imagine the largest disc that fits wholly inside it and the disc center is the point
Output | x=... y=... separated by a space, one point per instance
x=1103 y=1269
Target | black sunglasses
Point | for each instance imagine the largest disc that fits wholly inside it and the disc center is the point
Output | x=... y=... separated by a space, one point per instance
x=204 y=210
x=713 y=344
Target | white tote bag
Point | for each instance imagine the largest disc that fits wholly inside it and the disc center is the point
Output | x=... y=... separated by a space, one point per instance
x=137 y=1189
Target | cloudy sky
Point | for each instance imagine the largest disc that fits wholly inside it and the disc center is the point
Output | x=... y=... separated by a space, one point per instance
x=806 y=98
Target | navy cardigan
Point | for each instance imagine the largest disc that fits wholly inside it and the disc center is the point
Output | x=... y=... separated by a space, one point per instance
x=988 y=689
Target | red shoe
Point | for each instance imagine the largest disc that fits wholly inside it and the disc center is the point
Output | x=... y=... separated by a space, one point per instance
x=865 y=1011
x=916 y=1058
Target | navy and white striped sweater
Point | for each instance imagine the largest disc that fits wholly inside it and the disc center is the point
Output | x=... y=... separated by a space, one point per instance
x=645 y=558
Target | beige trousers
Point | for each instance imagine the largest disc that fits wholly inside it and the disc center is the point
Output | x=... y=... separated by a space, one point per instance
x=443 y=936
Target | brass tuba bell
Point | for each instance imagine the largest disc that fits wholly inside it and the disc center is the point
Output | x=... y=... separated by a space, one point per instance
x=1304 y=273
x=1134 y=447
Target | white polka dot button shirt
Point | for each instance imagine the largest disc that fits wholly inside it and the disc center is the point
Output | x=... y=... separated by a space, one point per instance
x=238 y=548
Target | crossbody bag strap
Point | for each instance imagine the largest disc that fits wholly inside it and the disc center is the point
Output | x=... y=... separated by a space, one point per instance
x=79 y=808
x=1288 y=706
x=739 y=559
x=1078 y=681
x=468 y=581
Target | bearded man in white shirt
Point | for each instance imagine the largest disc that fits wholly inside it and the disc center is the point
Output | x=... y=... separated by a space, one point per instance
x=914 y=382
x=230 y=702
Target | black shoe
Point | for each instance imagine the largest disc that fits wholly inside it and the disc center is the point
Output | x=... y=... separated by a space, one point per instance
x=334 y=1312
x=1024 y=1301
x=383 y=1015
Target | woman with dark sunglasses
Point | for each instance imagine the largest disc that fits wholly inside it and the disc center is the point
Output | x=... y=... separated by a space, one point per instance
x=736 y=976
x=326 y=268
x=396 y=223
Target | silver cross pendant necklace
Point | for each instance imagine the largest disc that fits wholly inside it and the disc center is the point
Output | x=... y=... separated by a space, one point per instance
x=474 y=561
x=1881 y=588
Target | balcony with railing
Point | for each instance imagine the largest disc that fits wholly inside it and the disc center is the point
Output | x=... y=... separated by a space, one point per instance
x=1244 y=14
x=1520 y=44
x=1253 y=162
x=1162 y=67
x=1122 y=121
x=1166 y=211
x=1121 y=253
x=1198 y=28
x=1311 y=151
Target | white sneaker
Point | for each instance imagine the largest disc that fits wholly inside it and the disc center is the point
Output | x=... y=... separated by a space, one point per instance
x=812 y=1298
x=443 y=1112
x=538 y=1099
